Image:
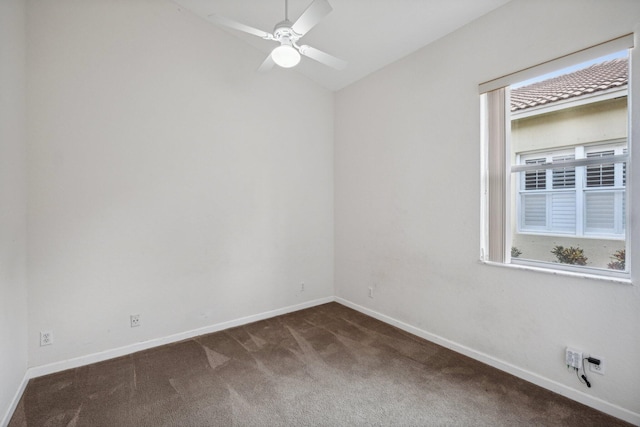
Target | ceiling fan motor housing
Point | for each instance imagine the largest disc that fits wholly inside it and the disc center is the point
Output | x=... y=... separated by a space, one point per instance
x=283 y=31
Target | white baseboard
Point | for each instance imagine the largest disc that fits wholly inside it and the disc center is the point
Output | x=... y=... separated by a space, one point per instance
x=594 y=402
x=531 y=377
x=51 y=368
x=14 y=403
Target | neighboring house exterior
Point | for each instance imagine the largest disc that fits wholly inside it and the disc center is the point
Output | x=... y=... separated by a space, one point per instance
x=573 y=116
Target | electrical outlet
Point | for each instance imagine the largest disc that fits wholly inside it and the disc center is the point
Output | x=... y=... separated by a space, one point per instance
x=598 y=369
x=370 y=292
x=573 y=358
x=302 y=287
x=135 y=320
x=46 y=338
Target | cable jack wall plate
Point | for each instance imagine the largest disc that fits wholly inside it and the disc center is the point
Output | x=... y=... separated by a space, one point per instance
x=46 y=338
x=573 y=358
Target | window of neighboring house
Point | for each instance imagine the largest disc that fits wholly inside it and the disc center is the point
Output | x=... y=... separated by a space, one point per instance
x=548 y=199
x=556 y=160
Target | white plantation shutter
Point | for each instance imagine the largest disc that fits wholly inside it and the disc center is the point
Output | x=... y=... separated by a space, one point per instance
x=602 y=175
x=563 y=212
x=563 y=203
x=535 y=179
x=623 y=203
x=604 y=205
x=624 y=169
x=548 y=211
x=600 y=212
x=605 y=212
x=550 y=195
x=534 y=211
x=564 y=177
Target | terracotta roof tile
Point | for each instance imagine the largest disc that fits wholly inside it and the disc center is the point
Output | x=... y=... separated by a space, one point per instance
x=595 y=78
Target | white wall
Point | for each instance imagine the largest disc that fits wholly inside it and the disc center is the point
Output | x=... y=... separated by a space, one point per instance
x=13 y=290
x=166 y=177
x=407 y=206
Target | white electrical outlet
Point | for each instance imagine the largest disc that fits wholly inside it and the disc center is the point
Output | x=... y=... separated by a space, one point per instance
x=46 y=338
x=135 y=320
x=598 y=369
x=302 y=287
x=370 y=292
x=573 y=358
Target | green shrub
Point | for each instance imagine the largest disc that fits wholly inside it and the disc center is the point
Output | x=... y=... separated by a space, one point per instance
x=619 y=258
x=569 y=255
x=515 y=252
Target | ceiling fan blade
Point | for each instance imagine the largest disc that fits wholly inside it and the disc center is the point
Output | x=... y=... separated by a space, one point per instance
x=311 y=16
x=267 y=65
x=230 y=23
x=322 y=57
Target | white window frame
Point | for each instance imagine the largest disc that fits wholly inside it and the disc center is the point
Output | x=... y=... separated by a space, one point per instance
x=496 y=175
x=579 y=190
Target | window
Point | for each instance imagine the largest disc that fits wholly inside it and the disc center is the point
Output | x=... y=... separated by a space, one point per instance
x=548 y=199
x=557 y=151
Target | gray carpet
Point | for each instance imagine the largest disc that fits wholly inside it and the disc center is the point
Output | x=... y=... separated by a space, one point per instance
x=324 y=366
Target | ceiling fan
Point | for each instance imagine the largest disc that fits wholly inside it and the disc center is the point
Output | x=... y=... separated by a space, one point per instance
x=286 y=33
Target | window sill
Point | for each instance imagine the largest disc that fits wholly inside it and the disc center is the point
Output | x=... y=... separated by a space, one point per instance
x=582 y=275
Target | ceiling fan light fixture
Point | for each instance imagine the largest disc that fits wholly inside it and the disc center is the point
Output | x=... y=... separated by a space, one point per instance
x=288 y=34
x=285 y=56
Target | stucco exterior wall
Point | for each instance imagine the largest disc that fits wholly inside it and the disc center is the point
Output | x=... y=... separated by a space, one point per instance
x=601 y=121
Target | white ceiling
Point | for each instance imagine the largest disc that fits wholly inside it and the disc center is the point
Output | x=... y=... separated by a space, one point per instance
x=368 y=34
